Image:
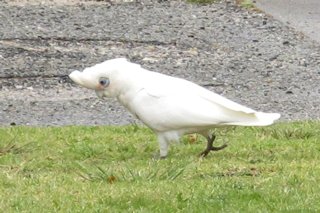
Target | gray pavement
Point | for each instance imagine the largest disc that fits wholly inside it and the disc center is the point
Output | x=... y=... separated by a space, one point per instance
x=303 y=15
x=244 y=55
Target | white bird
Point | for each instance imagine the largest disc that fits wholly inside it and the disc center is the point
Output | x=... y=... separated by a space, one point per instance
x=170 y=106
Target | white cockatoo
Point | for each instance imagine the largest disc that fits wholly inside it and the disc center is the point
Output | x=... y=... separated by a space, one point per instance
x=170 y=106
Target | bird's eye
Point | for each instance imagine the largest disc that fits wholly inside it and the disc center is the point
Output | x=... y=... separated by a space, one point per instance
x=104 y=82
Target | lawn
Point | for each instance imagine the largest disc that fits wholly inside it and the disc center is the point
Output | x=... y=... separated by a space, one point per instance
x=111 y=169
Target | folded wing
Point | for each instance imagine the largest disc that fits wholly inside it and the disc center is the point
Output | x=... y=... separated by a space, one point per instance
x=181 y=104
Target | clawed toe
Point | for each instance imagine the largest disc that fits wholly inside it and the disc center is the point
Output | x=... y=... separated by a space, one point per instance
x=213 y=148
x=210 y=146
x=204 y=153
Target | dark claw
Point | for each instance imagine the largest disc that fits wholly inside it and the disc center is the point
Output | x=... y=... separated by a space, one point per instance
x=210 y=147
x=215 y=148
x=204 y=153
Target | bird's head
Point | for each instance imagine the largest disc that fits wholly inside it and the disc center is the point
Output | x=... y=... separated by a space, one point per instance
x=104 y=78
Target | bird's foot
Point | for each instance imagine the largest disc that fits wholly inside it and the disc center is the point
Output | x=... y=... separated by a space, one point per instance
x=156 y=157
x=210 y=147
x=213 y=148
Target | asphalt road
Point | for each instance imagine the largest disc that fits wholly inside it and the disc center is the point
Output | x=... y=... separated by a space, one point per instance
x=303 y=15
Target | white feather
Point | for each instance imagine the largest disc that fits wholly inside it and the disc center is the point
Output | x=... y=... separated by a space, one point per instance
x=168 y=105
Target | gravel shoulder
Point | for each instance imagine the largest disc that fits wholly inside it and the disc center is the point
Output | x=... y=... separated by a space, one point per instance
x=245 y=55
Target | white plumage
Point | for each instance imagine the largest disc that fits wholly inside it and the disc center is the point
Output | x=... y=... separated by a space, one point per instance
x=170 y=106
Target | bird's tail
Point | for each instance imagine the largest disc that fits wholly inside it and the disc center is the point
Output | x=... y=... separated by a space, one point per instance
x=265 y=119
x=257 y=119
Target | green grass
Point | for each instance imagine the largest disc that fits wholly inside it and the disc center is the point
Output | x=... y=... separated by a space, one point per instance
x=245 y=3
x=110 y=169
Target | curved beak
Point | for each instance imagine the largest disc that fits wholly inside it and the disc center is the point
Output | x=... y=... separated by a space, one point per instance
x=75 y=77
x=83 y=79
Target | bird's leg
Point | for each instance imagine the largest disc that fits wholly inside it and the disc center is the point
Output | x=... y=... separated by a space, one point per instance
x=210 y=146
x=164 y=146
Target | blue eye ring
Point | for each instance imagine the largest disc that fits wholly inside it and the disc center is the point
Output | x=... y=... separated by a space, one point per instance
x=104 y=82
